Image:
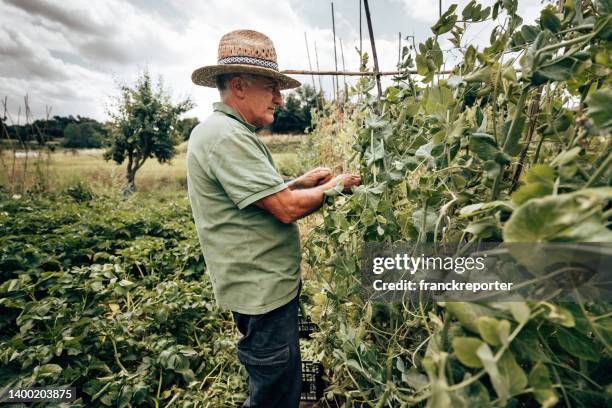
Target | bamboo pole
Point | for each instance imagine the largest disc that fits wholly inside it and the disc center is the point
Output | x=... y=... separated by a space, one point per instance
x=335 y=53
x=360 y=35
x=343 y=69
x=317 y=61
x=373 y=44
x=309 y=63
x=353 y=73
x=399 y=51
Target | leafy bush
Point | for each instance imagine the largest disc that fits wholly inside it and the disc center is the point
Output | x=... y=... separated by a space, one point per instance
x=110 y=297
x=486 y=154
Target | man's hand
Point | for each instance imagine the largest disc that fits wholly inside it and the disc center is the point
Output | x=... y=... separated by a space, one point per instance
x=347 y=180
x=313 y=178
x=292 y=204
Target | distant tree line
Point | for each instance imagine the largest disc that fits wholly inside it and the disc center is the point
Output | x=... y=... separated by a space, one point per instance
x=74 y=132
x=83 y=132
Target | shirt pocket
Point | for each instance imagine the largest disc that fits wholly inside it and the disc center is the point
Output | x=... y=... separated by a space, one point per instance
x=264 y=357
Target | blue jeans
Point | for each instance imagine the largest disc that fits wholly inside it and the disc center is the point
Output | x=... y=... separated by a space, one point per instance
x=269 y=349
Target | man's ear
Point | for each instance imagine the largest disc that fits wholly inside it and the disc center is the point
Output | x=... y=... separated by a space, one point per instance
x=237 y=86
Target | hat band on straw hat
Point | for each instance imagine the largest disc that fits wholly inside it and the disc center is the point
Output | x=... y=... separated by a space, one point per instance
x=249 y=61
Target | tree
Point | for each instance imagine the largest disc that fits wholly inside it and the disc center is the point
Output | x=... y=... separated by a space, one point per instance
x=82 y=135
x=295 y=116
x=185 y=126
x=144 y=125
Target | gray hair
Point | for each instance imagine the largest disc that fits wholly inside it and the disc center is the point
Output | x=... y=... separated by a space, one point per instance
x=223 y=81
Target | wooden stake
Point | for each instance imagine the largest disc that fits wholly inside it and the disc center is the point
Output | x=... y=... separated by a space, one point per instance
x=372 y=43
x=335 y=53
x=309 y=63
x=534 y=110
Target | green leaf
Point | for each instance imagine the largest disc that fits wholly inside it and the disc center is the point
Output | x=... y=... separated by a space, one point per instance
x=48 y=371
x=512 y=372
x=506 y=375
x=577 y=344
x=377 y=152
x=459 y=181
x=484 y=146
x=483 y=228
x=413 y=378
x=560 y=315
x=467 y=313
x=559 y=71
x=540 y=182
x=572 y=217
x=604 y=7
x=481 y=75
x=520 y=311
x=332 y=192
x=541 y=173
x=493 y=331
x=465 y=350
x=529 y=191
x=446 y=21
x=566 y=156
x=438 y=101
x=600 y=108
x=549 y=20
x=530 y=32
x=491 y=169
x=500 y=385
x=479 y=208
x=539 y=380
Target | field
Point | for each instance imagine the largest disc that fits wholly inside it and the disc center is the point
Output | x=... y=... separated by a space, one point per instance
x=62 y=168
x=98 y=276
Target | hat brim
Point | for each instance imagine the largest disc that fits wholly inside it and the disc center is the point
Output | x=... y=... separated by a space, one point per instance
x=205 y=76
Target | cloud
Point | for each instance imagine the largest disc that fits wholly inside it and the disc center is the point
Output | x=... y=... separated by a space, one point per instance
x=71 y=54
x=72 y=19
x=80 y=67
x=26 y=59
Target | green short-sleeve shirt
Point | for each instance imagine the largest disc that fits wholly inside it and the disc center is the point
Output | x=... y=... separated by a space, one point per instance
x=253 y=258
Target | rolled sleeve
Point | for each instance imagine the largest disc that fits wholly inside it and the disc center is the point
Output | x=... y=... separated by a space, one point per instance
x=262 y=194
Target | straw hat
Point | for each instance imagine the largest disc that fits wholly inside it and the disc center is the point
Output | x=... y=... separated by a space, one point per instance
x=244 y=51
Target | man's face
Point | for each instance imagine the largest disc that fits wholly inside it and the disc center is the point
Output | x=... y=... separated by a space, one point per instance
x=262 y=97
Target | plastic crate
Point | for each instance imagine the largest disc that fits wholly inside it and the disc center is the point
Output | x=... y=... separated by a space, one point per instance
x=312 y=381
x=306 y=326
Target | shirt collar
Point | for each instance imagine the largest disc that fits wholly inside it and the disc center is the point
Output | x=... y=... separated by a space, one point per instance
x=228 y=110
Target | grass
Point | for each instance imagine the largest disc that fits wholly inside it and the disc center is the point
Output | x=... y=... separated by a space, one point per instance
x=58 y=170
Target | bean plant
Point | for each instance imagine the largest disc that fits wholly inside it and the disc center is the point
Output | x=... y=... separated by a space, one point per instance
x=513 y=145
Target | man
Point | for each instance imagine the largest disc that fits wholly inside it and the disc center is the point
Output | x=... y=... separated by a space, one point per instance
x=245 y=214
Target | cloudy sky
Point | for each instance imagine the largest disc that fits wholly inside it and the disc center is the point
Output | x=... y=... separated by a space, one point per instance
x=69 y=55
